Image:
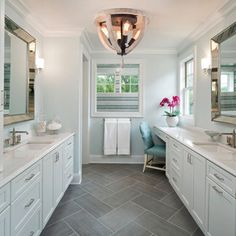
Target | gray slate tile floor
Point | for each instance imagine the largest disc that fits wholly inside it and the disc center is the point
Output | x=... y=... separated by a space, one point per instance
x=119 y=200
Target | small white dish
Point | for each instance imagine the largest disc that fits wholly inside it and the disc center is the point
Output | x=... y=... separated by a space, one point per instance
x=212 y=134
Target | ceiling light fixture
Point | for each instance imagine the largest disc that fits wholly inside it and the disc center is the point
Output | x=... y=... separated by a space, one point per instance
x=120 y=30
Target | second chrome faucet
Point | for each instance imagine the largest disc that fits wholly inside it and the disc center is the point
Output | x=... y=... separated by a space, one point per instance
x=231 y=140
x=15 y=139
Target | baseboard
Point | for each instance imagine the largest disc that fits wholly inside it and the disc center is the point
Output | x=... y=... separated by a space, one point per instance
x=133 y=159
x=76 y=179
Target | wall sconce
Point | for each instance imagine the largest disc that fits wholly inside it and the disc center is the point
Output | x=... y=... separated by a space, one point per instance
x=39 y=63
x=206 y=65
x=32 y=46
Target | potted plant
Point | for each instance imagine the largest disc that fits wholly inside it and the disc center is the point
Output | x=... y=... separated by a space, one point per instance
x=172 y=118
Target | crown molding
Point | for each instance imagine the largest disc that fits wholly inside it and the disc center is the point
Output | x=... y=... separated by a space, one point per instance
x=86 y=41
x=208 y=23
x=70 y=32
x=21 y=9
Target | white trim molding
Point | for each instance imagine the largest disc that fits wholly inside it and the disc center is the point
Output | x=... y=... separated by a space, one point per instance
x=208 y=23
x=138 y=114
x=133 y=159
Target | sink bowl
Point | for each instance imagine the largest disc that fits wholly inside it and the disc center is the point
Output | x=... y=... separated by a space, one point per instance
x=215 y=148
x=32 y=145
x=38 y=142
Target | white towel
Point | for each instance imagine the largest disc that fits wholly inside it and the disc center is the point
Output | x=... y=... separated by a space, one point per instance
x=110 y=136
x=123 y=129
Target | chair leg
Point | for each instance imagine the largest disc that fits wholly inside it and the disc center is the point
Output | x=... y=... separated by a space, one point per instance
x=145 y=161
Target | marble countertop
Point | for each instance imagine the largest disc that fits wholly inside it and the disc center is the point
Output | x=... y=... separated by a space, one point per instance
x=18 y=159
x=189 y=138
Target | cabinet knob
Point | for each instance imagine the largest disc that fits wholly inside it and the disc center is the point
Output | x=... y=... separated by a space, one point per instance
x=189 y=158
x=30 y=203
x=31 y=233
x=218 y=177
x=29 y=178
x=217 y=190
x=174 y=179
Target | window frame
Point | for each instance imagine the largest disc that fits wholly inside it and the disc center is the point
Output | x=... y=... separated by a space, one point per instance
x=94 y=112
x=182 y=88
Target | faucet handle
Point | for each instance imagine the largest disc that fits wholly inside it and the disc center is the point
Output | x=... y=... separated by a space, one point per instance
x=18 y=138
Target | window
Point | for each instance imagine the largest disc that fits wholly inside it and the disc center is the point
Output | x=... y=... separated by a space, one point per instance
x=187 y=83
x=117 y=91
x=105 y=83
x=129 y=84
x=227 y=81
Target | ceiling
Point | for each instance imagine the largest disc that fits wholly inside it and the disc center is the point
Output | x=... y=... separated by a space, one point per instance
x=171 y=21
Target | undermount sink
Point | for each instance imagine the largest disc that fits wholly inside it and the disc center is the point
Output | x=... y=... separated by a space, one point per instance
x=35 y=145
x=215 y=147
x=32 y=145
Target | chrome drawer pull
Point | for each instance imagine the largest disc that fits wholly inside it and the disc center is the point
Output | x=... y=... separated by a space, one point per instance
x=218 y=177
x=69 y=143
x=30 y=203
x=29 y=178
x=57 y=157
x=31 y=233
x=217 y=190
x=69 y=176
x=174 y=179
x=174 y=160
x=175 y=145
x=69 y=157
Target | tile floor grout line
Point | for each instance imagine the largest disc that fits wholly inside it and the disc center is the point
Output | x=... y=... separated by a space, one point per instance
x=97 y=219
x=128 y=222
x=62 y=219
x=70 y=227
x=166 y=220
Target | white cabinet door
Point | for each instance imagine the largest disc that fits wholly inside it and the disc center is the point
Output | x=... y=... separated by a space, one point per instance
x=5 y=222
x=168 y=157
x=48 y=204
x=193 y=185
x=57 y=176
x=187 y=180
x=220 y=211
x=199 y=189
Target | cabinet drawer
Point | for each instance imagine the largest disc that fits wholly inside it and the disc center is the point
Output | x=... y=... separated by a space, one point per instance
x=4 y=196
x=175 y=160
x=176 y=147
x=222 y=178
x=32 y=227
x=70 y=142
x=5 y=222
x=175 y=180
x=160 y=134
x=24 y=205
x=68 y=151
x=25 y=179
x=68 y=176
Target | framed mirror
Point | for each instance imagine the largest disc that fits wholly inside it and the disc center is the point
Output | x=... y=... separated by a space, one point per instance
x=19 y=74
x=223 y=76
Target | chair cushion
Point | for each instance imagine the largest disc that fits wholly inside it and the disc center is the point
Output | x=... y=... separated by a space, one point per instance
x=146 y=133
x=156 y=150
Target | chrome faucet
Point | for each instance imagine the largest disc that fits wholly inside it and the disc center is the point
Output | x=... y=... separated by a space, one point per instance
x=231 y=140
x=16 y=139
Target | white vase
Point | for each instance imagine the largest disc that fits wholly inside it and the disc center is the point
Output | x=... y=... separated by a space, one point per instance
x=172 y=121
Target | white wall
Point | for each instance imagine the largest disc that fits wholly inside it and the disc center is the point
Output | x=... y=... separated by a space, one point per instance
x=203 y=82
x=159 y=81
x=61 y=84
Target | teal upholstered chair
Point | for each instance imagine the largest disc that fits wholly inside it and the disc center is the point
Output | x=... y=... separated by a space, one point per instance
x=157 y=152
